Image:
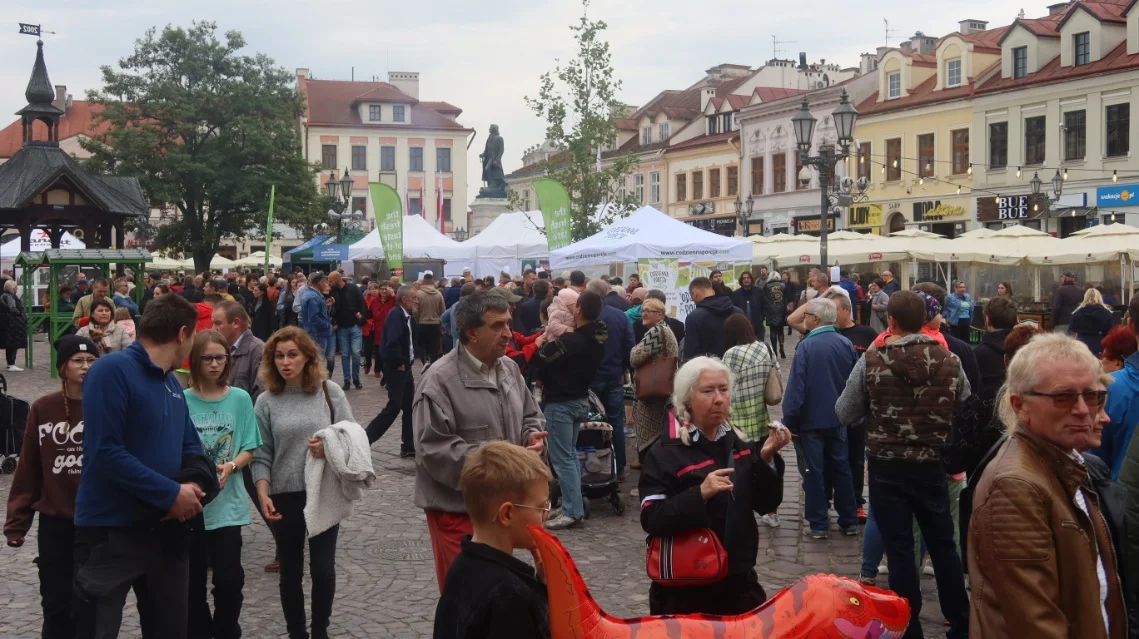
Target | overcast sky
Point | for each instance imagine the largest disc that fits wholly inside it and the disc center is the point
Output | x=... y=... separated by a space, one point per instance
x=481 y=56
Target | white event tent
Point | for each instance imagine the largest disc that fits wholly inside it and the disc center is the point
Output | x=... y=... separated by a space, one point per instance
x=420 y=241
x=39 y=242
x=648 y=233
x=509 y=239
x=257 y=259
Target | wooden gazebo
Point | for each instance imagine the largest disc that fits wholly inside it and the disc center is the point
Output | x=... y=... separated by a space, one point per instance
x=42 y=186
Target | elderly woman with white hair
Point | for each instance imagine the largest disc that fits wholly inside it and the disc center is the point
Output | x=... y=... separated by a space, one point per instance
x=13 y=324
x=704 y=477
x=1042 y=552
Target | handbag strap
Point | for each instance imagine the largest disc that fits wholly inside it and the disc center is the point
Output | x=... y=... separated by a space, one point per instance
x=328 y=400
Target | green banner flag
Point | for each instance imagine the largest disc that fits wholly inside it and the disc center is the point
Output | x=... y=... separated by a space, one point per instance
x=388 y=207
x=554 y=202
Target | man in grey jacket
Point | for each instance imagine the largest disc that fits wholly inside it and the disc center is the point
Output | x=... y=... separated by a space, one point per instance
x=470 y=396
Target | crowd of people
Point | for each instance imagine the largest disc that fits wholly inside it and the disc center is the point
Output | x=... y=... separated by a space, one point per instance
x=1002 y=453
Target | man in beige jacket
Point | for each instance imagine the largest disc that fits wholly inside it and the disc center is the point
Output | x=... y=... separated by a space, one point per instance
x=431 y=308
x=471 y=396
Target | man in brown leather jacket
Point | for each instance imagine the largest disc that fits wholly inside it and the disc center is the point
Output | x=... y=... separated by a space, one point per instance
x=1041 y=556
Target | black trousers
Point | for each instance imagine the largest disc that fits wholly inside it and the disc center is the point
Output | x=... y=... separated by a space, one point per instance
x=251 y=490
x=366 y=351
x=291 y=535
x=856 y=453
x=732 y=595
x=10 y=355
x=217 y=551
x=401 y=390
x=428 y=342
x=777 y=336
x=55 y=563
x=109 y=561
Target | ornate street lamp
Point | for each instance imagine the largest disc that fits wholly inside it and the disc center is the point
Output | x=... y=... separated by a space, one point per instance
x=340 y=204
x=1057 y=189
x=332 y=186
x=831 y=190
x=459 y=234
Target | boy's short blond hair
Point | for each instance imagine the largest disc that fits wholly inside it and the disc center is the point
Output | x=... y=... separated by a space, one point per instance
x=496 y=473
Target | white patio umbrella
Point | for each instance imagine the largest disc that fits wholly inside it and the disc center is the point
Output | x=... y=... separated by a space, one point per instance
x=164 y=263
x=846 y=247
x=979 y=232
x=256 y=259
x=217 y=262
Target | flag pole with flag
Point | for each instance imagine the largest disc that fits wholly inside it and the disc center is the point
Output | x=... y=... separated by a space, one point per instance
x=269 y=227
x=422 y=198
x=439 y=202
x=406 y=195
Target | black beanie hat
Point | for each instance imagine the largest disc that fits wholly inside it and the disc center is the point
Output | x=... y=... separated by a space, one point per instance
x=68 y=345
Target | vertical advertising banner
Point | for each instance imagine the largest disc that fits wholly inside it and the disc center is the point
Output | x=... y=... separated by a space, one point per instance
x=554 y=202
x=389 y=219
x=672 y=277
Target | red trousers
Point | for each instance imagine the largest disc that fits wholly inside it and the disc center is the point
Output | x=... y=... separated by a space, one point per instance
x=447 y=531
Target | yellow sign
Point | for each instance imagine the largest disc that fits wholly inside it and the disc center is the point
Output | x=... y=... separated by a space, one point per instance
x=813 y=226
x=865 y=215
x=943 y=211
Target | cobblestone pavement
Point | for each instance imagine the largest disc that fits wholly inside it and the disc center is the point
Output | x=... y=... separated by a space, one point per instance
x=385 y=580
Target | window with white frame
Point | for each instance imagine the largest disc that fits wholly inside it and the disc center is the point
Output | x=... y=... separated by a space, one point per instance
x=894 y=85
x=953 y=73
x=646 y=135
x=639 y=187
x=654 y=187
x=663 y=131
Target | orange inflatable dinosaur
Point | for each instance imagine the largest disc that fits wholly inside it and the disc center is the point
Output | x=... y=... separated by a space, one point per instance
x=814 y=607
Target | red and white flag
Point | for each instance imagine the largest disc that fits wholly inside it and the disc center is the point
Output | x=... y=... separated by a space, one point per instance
x=422 y=199
x=406 y=196
x=439 y=202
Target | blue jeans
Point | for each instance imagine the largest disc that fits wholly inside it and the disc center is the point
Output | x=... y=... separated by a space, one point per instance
x=897 y=500
x=822 y=452
x=873 y=547
x=351 y=340
x=563 y=420
x=612 y=396
x=327 y=345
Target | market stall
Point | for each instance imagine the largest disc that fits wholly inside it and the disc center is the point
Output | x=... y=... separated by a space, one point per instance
x=1098 y=255
x=665 y=252
x=509 y=241
x=420 y=242
x=257 y=260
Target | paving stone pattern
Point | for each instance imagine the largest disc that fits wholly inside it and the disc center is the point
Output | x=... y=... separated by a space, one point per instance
x=385 y=579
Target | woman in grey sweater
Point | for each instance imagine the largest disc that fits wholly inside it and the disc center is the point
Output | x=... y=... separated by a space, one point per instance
x=297 y=402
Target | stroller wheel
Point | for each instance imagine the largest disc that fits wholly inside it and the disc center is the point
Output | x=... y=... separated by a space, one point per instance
x=8 y=466
x=618 y=502
x=585 y=507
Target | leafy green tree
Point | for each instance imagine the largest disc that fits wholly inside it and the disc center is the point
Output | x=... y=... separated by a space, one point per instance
x=578 y=101
x=207 y=131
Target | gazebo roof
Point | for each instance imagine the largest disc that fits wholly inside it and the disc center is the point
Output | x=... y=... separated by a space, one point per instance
x=36 y=166
x=86 y=256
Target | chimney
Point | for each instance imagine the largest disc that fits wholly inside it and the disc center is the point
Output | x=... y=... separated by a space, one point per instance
x=970 y=26
x=922 y=44
x=61 y=96
x=802 y=60
x=706 y=95
x=302 y=73
x=868 y=62
x=406 y=81
x=69 y=102
x=1059 y=7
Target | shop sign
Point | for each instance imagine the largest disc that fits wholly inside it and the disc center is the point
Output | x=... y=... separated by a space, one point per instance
x=1009 y=207
x=1117 y=196
x=1012 y=208
x=874 y=257
x=942 y=211
x=865 y=215
x=812 y=225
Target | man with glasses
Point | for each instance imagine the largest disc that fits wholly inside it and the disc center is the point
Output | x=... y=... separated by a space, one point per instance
x=907 y=391
x=1041 y=553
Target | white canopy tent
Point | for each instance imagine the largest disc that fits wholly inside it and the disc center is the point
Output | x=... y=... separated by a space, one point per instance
x=648 y=233
x=165 y=263
x=848 y=247
x=217 y=263
x=1098 y=249
x=420 y=241
x=509 y=239
x=257 y=259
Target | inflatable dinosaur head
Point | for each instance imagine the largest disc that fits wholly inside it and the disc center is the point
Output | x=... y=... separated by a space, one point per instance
x=814 y=607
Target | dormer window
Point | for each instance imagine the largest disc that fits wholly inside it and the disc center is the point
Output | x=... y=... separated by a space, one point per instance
x=727 y=122
x=646 y=135
x=894 y=85
x=374 y=113
x=663 y=131
x=1082 y=47
x=713 y=125
x=1019 y=62
x=398 y=113
x=953 y=73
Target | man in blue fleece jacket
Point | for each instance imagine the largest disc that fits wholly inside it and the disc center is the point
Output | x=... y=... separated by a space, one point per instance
x=129 y=507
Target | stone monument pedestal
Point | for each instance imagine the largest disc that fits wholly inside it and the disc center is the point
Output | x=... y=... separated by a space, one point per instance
x=483 y=212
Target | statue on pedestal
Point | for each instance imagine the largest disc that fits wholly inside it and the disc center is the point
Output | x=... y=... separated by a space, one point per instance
x=492 y=173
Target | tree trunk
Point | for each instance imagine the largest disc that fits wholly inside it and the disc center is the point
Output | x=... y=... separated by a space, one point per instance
x=202 y=259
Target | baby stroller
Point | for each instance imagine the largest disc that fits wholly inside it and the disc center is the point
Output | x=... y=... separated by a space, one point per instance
x=13 y=418
x=598 y=461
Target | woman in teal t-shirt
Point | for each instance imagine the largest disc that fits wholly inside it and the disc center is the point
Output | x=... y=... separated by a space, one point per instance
x=228 y=430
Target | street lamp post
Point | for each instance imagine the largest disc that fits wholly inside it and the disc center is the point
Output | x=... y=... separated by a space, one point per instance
x=803 y=124
x=743 y=213
x=340 y=203
x=459 y=234
x=1057 y=188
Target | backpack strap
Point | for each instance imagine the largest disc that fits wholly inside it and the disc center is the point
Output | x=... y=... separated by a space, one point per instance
x=328 y=400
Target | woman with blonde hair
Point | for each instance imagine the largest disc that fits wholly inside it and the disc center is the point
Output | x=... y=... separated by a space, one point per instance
x=650 y=414
x=223 y=417
x=1092 y=321
x=297 y=402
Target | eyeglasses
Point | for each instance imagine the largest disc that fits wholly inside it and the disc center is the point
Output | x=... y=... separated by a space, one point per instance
x=545 y=508
x=86 y=361
x=1066 y=400
x=213 y=359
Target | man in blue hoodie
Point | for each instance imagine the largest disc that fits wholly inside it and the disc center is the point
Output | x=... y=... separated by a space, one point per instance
x=129 y=506
x=609 y=383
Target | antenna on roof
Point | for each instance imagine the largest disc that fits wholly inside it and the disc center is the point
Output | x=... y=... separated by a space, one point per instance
x=889 y=31
x=776 y=49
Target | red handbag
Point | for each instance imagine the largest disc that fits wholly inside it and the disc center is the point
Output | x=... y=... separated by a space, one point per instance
x=692 y=558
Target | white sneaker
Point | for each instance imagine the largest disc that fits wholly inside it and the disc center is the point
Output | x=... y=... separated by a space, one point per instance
x=927 y=569
x=771 y=520
x=883 y=569
x=15 y=369
x=563 y=521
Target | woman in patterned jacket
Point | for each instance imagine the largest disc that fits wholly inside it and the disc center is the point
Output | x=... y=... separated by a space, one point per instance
x=651 y=415
x=751 y=362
